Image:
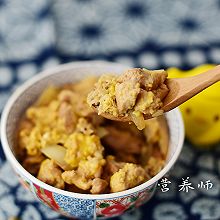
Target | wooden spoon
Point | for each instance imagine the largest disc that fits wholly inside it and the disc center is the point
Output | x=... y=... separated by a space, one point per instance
x=181 y=89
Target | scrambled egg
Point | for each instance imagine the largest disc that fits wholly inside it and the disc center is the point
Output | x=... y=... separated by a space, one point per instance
x=80 y=147
x=104 y=96
x=128 y=176
x=65 y=144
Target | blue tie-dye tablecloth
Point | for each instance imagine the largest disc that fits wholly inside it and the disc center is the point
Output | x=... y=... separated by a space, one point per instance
x=38 y=34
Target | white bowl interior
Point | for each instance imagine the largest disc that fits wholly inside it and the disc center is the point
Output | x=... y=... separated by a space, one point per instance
x=29 y=92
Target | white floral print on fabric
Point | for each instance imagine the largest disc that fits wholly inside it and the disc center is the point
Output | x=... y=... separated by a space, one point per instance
x=26 y=71
x=132 y=215
x=12 y=194
x=24 y=32
x=8 y=77
x=31 y=212
x=3 y=99
x=183 y=26
x=209 y=161
x=207 y=208
x=10 y=180
x=8 y=207
x=169 y=211
x=205 y=176
x=109 y=26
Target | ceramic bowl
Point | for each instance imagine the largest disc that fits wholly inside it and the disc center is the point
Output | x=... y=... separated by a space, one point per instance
x=84 y=206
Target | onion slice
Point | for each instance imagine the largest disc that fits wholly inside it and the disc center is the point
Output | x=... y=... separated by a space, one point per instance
x=101 y=132
x=138 y=119
x=47 y=96
x=57 y=153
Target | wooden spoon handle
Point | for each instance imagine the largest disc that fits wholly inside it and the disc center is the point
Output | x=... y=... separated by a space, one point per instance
x=207 y=78
x=182 y=89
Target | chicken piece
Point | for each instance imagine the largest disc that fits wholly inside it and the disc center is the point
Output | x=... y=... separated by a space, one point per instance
x=91 y=167
x=152 y=131
x=81 y=106
x=152 y=79
x=73 y=177
x=120 y=140
x=65 y=96
x=98 y=186
x=87 y=171
x=161 y=92
x=126 y=157
x=157 y=137
x=134 y=74
x=111 y=167
x=154 y=166
x=129 y=86
x=50 y=173
x=164 y=136
x=83 y=126
x=73 y=188
x=132 y=95
x=26 y=125
x=156 y=132
x=126 y=94
x=130 y=175
x=146 y=153
x=127 y=90
x=25 y=128
x=67 y=115
x=32 y=163
x=77 y=99
x=76 y=95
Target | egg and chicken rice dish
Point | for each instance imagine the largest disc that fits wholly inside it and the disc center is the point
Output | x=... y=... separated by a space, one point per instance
x=136 y=94
x=65 y=144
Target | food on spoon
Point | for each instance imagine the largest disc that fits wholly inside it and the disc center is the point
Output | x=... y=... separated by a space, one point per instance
x=136 y=94
x=65 y=144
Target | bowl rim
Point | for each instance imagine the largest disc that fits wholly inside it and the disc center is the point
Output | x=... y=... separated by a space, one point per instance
x=18 y=167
